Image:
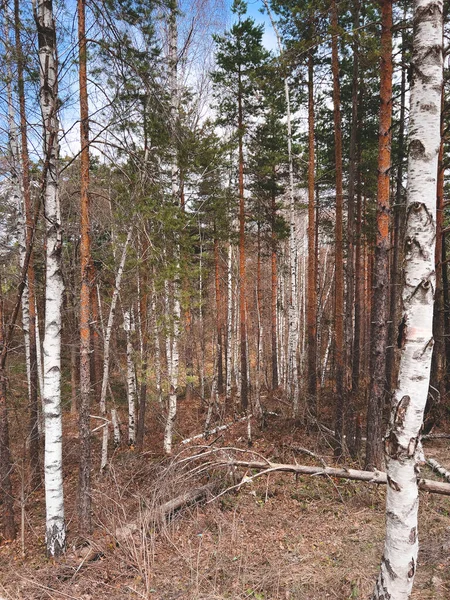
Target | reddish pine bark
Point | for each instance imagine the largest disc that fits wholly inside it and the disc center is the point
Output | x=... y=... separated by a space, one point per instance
x=380 y=282
x=84 y=491
x=242 y=273
x=399 y=218
x=438 y=371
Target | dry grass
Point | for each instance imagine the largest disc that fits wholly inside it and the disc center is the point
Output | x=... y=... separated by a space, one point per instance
x=278 y=538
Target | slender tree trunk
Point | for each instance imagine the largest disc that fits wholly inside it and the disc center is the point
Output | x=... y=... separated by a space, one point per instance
x=143 y=312
x=259 y=333
x=339 y=252
x=380 y=282
x=35 y=476
x=399 y=217
x=55 y=524
x=158 y=377
x=219 y=321
x=350 y=271
x=242 y=267
x=311 y=309
x=229 y=346
x=84 y=482
x=402 y=444
x=438 y=365
x=274 y=294
x=174 y=350
x=129 y=327
x=96 y=359
x=359 y=298
x=6 y=493
x=107 y=344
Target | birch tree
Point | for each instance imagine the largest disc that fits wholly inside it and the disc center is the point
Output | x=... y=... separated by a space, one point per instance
x=402 y=443
x=48 y=96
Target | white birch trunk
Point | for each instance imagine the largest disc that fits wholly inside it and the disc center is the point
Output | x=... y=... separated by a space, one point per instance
x=128 y=325
x=173 y=381
x=281 y=331
x=106 y=348
x=157 y=349
x=229 y=319
x=293 y=325
x=54 y=497
x=326 y=357
x=169 y=333
x=40 y=368
x=236 y=340
x=16 y=198
x=402 y=445
x=201 y=325
x=116 y=428
x=174 y=349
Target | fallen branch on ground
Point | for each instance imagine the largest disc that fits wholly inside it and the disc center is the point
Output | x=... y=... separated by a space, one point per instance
x=439 y=468
x=377 y=477
x=436 y=436
x=199 y=436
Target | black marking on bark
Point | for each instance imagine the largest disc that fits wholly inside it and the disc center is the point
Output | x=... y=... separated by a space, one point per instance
x=411 y=568
x=417 y=151
x=413 y=535
x=400 y=411
x=401 y=337
x=427 y=345
x=389 y=569
x=393 y=484
x=391 y=445
x=412 y=446
x=392 y=516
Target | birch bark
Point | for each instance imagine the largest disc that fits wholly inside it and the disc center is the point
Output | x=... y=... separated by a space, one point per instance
x=229 y=349
x=174 y=107
x=402 y=445
x=129 y=327
x=48 y=96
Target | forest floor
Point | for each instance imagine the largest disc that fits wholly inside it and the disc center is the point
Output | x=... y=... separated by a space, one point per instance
x=278 y=537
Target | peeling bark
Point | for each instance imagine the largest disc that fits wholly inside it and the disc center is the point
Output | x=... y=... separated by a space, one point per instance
x=402 y=446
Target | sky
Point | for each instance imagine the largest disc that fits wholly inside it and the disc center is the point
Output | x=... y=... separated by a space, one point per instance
x=70 y=141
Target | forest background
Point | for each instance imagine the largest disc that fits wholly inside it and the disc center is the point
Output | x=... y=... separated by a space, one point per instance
x=203 y=210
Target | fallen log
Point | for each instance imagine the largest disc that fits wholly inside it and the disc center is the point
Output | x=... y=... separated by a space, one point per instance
x=377 y=477
x=190 y=497
x=438 y=468
x=160 y=514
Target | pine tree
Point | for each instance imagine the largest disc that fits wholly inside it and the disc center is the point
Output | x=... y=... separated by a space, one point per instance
x=239 y=56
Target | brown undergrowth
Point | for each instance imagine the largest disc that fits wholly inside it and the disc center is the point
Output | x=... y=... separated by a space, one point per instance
x=276 y=537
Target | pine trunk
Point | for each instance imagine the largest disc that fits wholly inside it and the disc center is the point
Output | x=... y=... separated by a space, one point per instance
x=339 y=252
x=380 y=281
x=84 y=482
x=399 y=217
